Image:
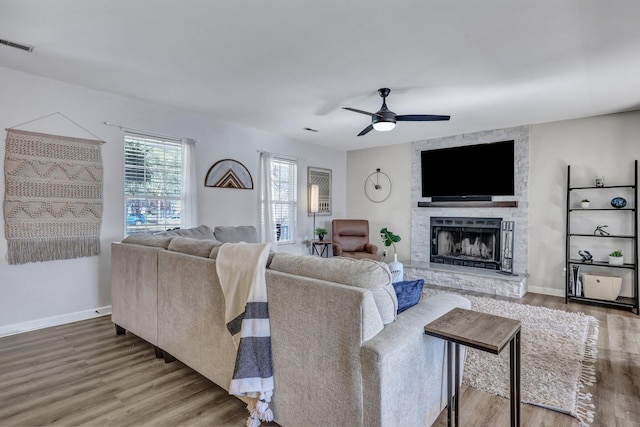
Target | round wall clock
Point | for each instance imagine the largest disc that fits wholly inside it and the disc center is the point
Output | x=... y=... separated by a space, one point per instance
x=377 y=186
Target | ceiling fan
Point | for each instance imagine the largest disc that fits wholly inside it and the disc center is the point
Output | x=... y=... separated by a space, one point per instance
x=385 y=119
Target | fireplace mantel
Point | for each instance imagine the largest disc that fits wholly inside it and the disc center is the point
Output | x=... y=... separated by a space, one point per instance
x=470 y=204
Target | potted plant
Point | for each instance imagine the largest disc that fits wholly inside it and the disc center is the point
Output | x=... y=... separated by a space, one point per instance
x=321 y=232
x=390 y=239
x=585 y=203
x=616 y=258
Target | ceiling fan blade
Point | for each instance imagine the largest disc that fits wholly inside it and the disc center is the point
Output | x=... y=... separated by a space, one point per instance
x=420 y=118
x=366 y=130
x=360 y=111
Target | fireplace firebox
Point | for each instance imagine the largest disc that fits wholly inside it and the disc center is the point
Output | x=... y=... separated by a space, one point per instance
x=469 y=242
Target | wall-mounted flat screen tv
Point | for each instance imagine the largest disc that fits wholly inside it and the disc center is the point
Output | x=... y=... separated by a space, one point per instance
x=470 y=172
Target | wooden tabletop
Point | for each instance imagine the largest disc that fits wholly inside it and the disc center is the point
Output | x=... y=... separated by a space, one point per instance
x=474 y=329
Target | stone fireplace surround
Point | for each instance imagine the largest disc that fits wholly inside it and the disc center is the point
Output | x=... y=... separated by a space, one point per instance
x=470 y=278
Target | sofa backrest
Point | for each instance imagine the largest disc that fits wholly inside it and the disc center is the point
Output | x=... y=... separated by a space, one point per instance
x=363 y=273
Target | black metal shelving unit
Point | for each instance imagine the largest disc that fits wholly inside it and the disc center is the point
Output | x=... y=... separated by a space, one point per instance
x=631 y=303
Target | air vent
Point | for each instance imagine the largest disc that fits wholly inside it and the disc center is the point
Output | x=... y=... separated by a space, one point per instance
x=21 y=46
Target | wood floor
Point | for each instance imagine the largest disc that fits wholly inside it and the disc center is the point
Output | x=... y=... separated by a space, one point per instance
x=83 y=374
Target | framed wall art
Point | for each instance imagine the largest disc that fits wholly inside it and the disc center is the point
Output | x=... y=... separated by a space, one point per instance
x=228 y=173
x=322 y=178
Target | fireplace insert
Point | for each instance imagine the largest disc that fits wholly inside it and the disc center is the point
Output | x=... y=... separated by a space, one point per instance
x=469 y=242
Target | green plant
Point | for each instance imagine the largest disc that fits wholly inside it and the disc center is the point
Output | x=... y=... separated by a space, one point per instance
x=389 y=238
x=321 y=231
x=616 y=254
x=585 y=200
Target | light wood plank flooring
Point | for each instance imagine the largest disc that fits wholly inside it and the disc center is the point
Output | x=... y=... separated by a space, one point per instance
x=83 y=374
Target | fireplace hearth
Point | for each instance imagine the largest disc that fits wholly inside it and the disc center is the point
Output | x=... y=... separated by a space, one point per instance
x=466 y=241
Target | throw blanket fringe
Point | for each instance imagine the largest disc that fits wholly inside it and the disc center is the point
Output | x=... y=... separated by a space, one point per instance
x=241 y=270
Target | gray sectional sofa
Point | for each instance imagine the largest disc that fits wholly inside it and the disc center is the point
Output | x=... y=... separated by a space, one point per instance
x=341 y=355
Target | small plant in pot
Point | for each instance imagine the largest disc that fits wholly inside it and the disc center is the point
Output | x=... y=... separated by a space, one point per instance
x=321 y=232
x=389 y=239
x=616 y=258
x=585 y=203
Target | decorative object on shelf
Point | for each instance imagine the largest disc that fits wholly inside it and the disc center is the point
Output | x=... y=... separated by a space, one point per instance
x=586 y=256
x=377 y=186
x=321 y=232
x=600 y=231
x=616 y=258
x=397 y=269
x=228 y=173
x=322 y=179
x=576 y=283
x=618 y=202
x=599 y=181
x=602 y=286
x=584 y=203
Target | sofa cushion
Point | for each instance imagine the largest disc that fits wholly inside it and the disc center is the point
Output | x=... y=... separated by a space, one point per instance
x=241 y=233
x=408 y=293
x=200 y=232
x=364 y=273
x=191 y=246
x=148 y=240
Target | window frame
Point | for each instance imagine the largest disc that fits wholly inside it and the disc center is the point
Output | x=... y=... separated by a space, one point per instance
x=289 y=206
x=160 y=196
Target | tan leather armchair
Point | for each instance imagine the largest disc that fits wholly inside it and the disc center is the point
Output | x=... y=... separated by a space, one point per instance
x=350 y=238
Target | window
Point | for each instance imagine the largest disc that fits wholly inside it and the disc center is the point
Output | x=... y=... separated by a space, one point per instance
x=152 y=183
x=283 y=173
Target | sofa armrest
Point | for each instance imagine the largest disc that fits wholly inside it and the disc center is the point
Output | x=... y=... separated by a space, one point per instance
x=371 y=248
x=404 y=370
x=321 y=325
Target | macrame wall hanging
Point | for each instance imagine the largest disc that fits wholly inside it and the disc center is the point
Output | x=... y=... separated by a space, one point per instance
x=53 y=196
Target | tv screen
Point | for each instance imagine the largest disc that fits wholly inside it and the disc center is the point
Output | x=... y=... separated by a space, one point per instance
x=468 y=172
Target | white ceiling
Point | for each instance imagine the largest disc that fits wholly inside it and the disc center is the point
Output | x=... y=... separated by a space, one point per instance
x=283 y=65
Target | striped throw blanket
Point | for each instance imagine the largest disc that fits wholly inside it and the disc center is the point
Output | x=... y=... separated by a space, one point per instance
x=241 y=270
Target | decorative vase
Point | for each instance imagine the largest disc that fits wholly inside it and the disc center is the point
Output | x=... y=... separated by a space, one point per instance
x=321 y=237
x=616 y=260
x=397 y=270
x=618 y=202
x=585 y=204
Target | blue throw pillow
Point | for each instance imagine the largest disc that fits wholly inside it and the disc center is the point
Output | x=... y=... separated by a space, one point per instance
x=408 y=293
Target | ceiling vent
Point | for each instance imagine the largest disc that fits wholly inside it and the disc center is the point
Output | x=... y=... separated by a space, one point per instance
x=21 y=46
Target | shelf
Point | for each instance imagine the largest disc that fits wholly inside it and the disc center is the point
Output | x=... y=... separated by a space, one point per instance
x=611 y=236
x=600 y=212
x=602 y=209
x=602 y=188
x=620 y=302
x=599 y=264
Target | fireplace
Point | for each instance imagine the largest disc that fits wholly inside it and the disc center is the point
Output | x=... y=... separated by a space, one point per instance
x=469 y=242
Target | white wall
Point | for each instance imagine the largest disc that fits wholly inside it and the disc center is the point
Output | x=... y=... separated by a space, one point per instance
x=395 y=212
x=603 y=145
x=45 y=293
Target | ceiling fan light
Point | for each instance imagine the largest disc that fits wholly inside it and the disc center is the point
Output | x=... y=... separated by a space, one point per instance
x=384 y=126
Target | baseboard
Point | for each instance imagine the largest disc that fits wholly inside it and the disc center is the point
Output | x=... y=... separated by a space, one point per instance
x=47 y=322
x=546 y=291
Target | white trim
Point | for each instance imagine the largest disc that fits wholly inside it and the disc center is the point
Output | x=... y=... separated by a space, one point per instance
x=47 y=322
x=546 y=291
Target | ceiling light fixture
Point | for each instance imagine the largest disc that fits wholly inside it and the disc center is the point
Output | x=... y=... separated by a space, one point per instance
x=384 y=126
x=21 y=46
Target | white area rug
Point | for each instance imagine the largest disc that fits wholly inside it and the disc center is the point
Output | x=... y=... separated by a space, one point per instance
x=558 y=357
